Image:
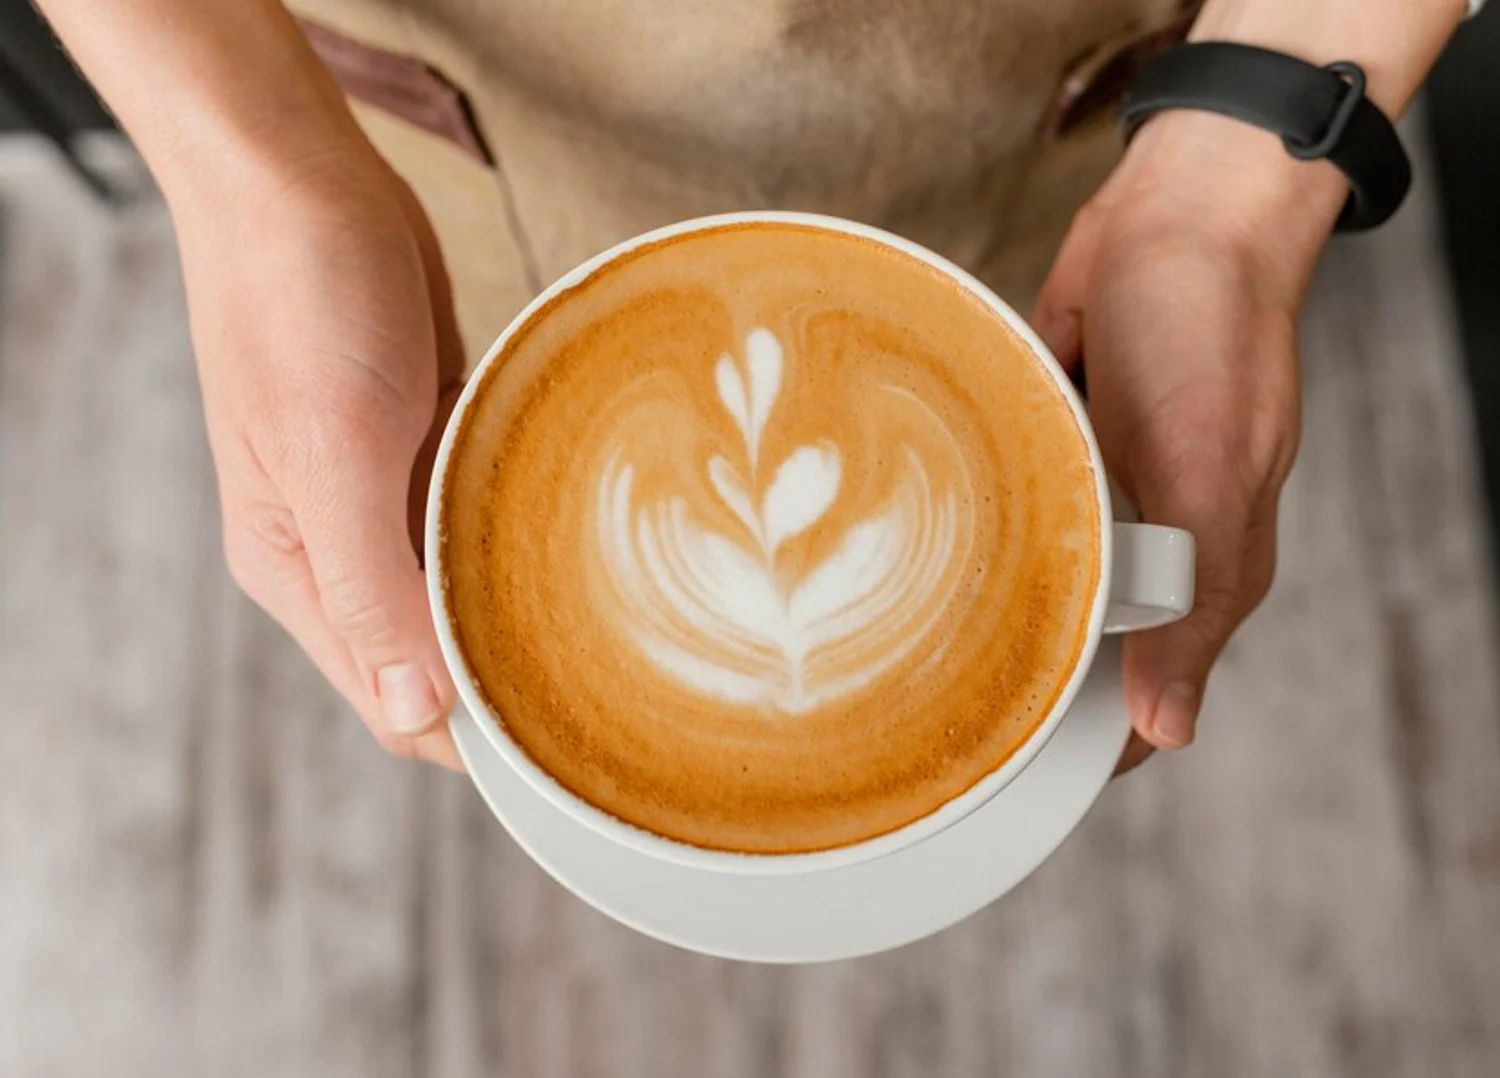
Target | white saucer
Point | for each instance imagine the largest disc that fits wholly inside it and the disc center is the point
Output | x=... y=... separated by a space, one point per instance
x=836 y=913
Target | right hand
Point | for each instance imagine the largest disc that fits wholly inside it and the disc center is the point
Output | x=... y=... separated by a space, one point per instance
x=329 y=359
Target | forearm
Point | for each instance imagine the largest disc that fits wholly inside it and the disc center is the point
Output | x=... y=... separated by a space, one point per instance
x=215 y=93
x=1395 y=41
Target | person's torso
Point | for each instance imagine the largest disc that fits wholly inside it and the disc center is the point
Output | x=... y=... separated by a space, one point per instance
x=801 y=100
x=934 y=118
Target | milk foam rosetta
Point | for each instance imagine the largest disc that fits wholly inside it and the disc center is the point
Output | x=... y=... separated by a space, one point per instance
x=715 y=610
x=769 y=539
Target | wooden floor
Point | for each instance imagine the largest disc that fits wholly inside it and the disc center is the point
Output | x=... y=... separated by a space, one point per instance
x=207 y=869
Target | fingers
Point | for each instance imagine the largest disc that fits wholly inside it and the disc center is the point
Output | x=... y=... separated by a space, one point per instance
x=450 y=359
x=351 y=511
x=1166 y=670
x=321 y=479
x=421 y=476
x=1193 y=396
x=268 y=560
x=1057 y=315
x=450 y=348
x=1137 y=751
x=318 y=419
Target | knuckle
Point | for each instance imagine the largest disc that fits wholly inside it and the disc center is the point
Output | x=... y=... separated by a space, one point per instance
x=1260 y=570
x=1232 y=586
x=261 y=546
x=1258 y=583
x=1213 y=618
x=1273 y=440
x=1215 y=602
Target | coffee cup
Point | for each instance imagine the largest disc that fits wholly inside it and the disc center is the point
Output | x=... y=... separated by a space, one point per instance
x=678 y=616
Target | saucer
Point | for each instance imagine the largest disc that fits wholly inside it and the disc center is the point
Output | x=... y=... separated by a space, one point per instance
x=834 y=913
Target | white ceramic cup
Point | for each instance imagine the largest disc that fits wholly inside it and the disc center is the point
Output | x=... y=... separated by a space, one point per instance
x=1145 y=580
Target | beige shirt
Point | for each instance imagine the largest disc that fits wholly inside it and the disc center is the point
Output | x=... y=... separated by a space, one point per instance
x=602 y=118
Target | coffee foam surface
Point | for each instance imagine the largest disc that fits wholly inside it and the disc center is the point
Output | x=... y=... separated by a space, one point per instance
x=769 y=539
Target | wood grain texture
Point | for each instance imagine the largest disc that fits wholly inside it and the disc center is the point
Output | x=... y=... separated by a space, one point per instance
x=207 y=869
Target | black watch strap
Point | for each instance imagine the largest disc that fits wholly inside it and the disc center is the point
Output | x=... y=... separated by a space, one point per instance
x=1317 y=111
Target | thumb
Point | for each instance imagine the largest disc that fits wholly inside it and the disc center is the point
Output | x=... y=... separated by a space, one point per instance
x=354 y=524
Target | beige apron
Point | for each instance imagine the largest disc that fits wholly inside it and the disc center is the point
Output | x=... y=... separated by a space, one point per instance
x=538 y=132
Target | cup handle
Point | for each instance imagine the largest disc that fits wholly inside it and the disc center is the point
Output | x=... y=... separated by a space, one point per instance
x=1152 y=583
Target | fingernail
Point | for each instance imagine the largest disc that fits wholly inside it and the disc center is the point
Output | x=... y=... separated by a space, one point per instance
x=407 y=697
x=1176 y=714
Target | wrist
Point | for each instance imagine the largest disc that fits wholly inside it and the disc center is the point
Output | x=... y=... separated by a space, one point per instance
x=230 y=139
x=235 y=166
x=1233 y=181
x=1235 y=186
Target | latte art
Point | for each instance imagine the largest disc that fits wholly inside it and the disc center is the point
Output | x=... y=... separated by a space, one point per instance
x=715 y=611
x=768 y=539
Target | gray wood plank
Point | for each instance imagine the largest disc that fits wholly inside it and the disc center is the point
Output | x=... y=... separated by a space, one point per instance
x=206 y=868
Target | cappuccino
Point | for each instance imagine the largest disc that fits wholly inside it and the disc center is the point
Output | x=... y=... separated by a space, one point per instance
x=769 y=538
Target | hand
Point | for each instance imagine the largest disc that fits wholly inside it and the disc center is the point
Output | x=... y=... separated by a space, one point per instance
x=326 y=344
x=1178 y=289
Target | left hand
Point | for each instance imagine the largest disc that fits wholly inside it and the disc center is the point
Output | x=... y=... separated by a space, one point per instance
x=1178 y=289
